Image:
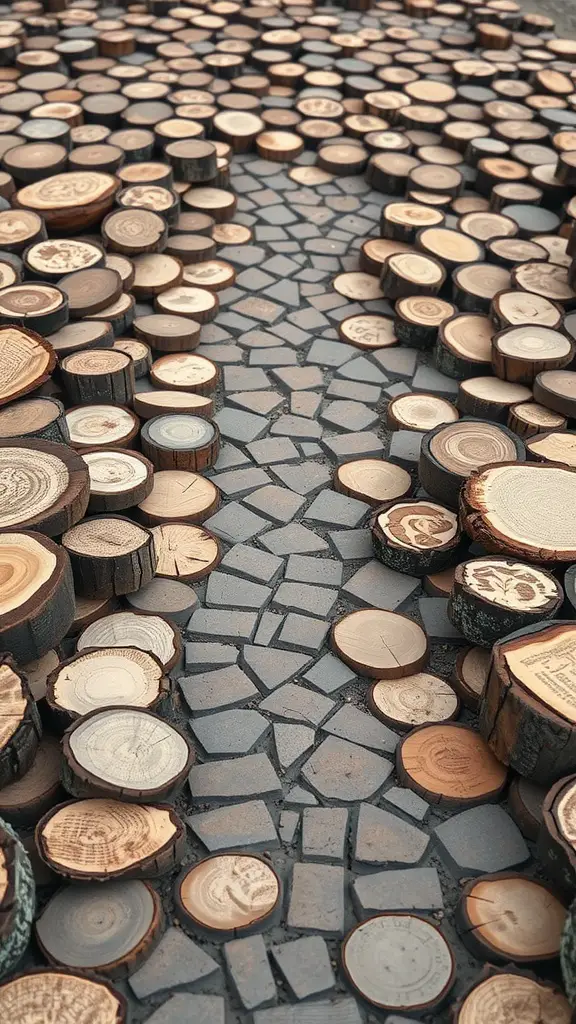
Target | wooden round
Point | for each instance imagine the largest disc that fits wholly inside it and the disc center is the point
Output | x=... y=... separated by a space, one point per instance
x=80 y=335
x=98 y=375
x=155 y=273
x=186 y=372
x=418 y=317
x=23 y=801
x=185 y=552
x=419 y=412
x=170 y=599
x=406 y=274
x=519 y=354
x=470 y=675
x=372 y=480
x=119 y=479
x=179 y=495
x=71 y=201
x=110 y=555
x=491 y=998
x=490 y=398
x=413 y=700
x=51 y=259
x=66 y=996
x=105 y=677
x=357 y=286
x=154 y=403
x=26 y=362
x=556 y=389
x=380 y=644
x=130 y=629
x=451 y=765
x=464 y=347
x=45 y=486
x=368 y=331
x=553 y=447
x=228 y=893
x=525 y=800
x=90 y=291
x=181 y=441
x=37 y=672
x=415 y=536
x=167 y=333
x=102 y=425
x=514 y=308
x=451 y=453
x=529 y=418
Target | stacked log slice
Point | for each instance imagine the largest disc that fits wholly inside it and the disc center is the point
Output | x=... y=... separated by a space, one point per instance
x=380 y=644
x=25 y=800
x=181 y=441
x=70 y=202
x=464 y=346
x=133 y=629
x=416 y=537
x=556 y=389
x=20 y=729
x=413 y=700
x=17 y=905
x=100 y=840
x=451 y=765
x=186 y=372
x=26 y=362
x=407 y=274
x=185 y=552
x=167 y=333
x=509 y=917
x=46 y=486
x=490 y=398
x=553 y=447
x=525 y=801
x=449 y=454
x=98 y=375
x=179 y=495
x=155 y=403
x=519 y=509
x=499 y=992
x=470 y=675
x=101 y=424
x=419 y=412
x=372 y=480
x=514 y=308
x=494 y=596
x=125 y=753
x=418 y=317
x=35 y=417
x=528 y=710
x=529 y=418
x=556 y=843
x=519 y=354
x=119 y=479
x=109 y=929
x=37 y=598
x=105 y=677
x=110 y=556
x=63 y=995
x=228 y=894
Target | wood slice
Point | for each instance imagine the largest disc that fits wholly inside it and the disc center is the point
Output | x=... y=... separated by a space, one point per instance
x=71 y=201
x=514 y=308
x=372 y=480
x=439 y=584
x=496 y=994
x=17 y=903
x=450 y=453
x=553 y=447
x=155 y=273
x=27 y=361
x=470 y=675
x=37 y=672
x=529 y=418
x=90 y=291
x=110 y=556
x=100 y=840
x=368 y=331
x=407 y=274
x=98 y=375
x=476 y=284
x=119 y=479
x=415 y=537
x=139 y=352
x=185 y=372
x=357 y=286
x=186 y=300
x=402 y=221
x=51 y=259
x=154 y=403
x=168 y=333
x=556 y=389
x=212 y=275
x=556 y=843
x=485 y=225
x=105 y=677
x=490 y=398
x=126 y=754
x=413 y=700
x=108 y=929
x=134 y=629
x=40 y=307
x=419 y=412
x=185 y=552
x=83 y=334
x=520 y=510
x=20 y=228
x=411 y=974
x=418 y=319
x=507 y=252
x=45 y=486
x=451 y=765
x=508 y=917
x=450 y=247
x=181 y=441
x=25 y=800
x=495 y=596
x=228 y=894
x=21 y=729
x=525 y=800
x=179 y=495
x=133 y=230
x=218 y=203
x=545 y=279
x=35 y=418
x=380 y=644
x=102 y=425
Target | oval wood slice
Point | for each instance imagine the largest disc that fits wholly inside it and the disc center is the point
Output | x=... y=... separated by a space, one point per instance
x=185 y=552
x=181 y=441
x=515 y=308
x=35 y=417
x=100 y=840
x=519 y=354
x=125 y=753
x=416 y=536
x=368 y=331
x=72 y=201
x=464 y=346
x=449 y=454
x=133 y=629
x=419 y=412
x=168 y=333
x=490 y=999
x=133 y=230
x=105 y=677
x=17 y=901
x=110 y=556
x=451 y=765
x=556 y=389
x=26 y=362
x=508 y=917
x=372 y=480
x=413 y=700
x=553 y=447
x=102 y=425
x=407 y=274
x=25 y=800
x=490 y=398
x=119 y=478
x=380 y=644
x=109 y=929
x=470 y=675
x=20 y=730
x=90 y=291
x=228 y=894
x=185 y=372
x=60 y=993
x=155 y=403
x=525 y=800
x=82 y=334
x=528 y=419
x=398 y=962
x=179 y=495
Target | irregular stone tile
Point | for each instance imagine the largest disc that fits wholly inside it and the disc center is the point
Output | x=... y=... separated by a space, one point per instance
x=248 y=826
x=242 y=255
x=229 y=625
x=408 y=889
x=230 y=733
x=296 y=426
x=257 y=339
x=303 y=633
x=221 y=353
x=305 y=403
x=175 y=961
x=349 y=416
x=310 y=449
x=222 y=781
x=344 y=447
x=407 y=801
x=324 y=831
x=405 y=447
x=336 y=509
x=350 y=723
x=361 y=369
x=325 y=571
x=298 y=704
x=281 y=356
x=398 y=361
x=355 y=392
x=209 y=691
x=268 y=626
x=272 y=450
x=305 y=479
x=286 y=292
x=289 y=821
x=329 y=353
x=383 y=838
x=247 y=964
x=436 y=622
x=278 y=503
x=281 y=265
x=254 y=279
x=243 y=378
x=329 y=675
x=306 y=598
x=292 y=742
x=186 y=1008
x=225 y=590
x=308 y=319
x=397 y=389
x=236 y=482
x=299 y=797
x=260 y=402
x=481 y=840
x=273 y=667
x=352 y=545
x=241 y=426
x=345 y=772
x=342 y=1011
x=317 y=899
x=252 y=562
x=290 y=333
x=206 y=655
x=299 y=378
x=429 y=379
x=258 y=308
x=305 y=966
x=293 y=539
x=235 y=523
x=378 y=586
x=230 y=456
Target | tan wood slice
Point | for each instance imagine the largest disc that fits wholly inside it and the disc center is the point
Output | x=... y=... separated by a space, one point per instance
x=155 y=273
x=213 y=275
x=490 y=398
x=470 y=675
x=450 y=453
x=418 y=318
x=374 y=251
x=155 y=403
x=489 y=1000
x=51 y=259
x=415 y=536
x=358 y=286
x=82 y=334
x=228 y=893
x=134 y=629
x=98 y=375
x=168 y=333
x=119 y=479
x=45 y=486
x=556 y=841
x=413 y=700
x=372 y=480
x=102 y=425
x=110 y=555
x=181 y=441
x=186 y=300
x=20 y=729
x=556 y=389
x=419 y=412
x=105 y=677
x=71 y=201
x=407 y=274
x=89 y=291
x=35 y=417
x=185 y=552
x=139 y=352
x=368 y=331
x=38 y=670
x=476 y=284
x=27 y=361
x=218 y=203
x=519 y=354
x=464 y=345
x=553 y=447
x=402 y=221
x=185 y=372
x=60 y=993
x=133 y=231
x=179 y=495
x=380 y=644
x=547 y=280
x=451 y=765
x=515 y=308
x=529 y=419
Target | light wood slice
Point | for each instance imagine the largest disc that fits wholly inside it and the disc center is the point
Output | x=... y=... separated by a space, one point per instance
x=98 y=375
x=407 y=274
x=181 y=441
x=110 y=556
x=553 y=447
x=380 y=644
x=90 y=291
x=185 y=552
x=228 y=894
x=372 y=480
x=105 y=677
x=476 y=284
x=515 y=308
x=82 y=334
x=102 y=425
x=134 y=629
x=556 y=843
x=37 y=672
x=35 y=417
x=416 y=536
x=508 y=917
x=507 y=252
x=450 y=453
x=119 y=479
x=525 y=800
x=417 y=319
x=402 y=221
x=51 y=259
x=217 y=202
x=448 y=246
x=490 y=398
x=17 y=902
x=374 y=251
x=368 y=331
x=185 y=372
x=168 y=333
x=419 y=412
x=520 y=510
x=528 y=419
x=45 y=486
x=464 y=346
x=154 y=273
x=545 y=279
x=357 y=286
x=211 y=275
x=40 y=307
x=26 y=362
x=470 y=675
x=413 y=700
x=156 y=403
x=127 y=754
x=439 y=584
x=451 y=765
x=170 y=599
x=398 y=962
x=556 y=389
x=20 y=728
x=492 y=999
x=108 y=929
x=100 y=840
x=178 y=495
x=25 y=800
x=71 y=201
x=134 y=230
x=519 y=354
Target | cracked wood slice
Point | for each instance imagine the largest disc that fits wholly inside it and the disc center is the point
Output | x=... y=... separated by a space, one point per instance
x=186 y=372
x=45 y=486
x=140 y=353
x=99 y=840
x=417 y=319
x=509 y=917
x=451 y=765
x=110 y=556
x=42 y=418
x=368 y=331
x=398 y=962
x=24 y=800
x=17 y=900
x=408 y=274
x=179 y=495
x=556 y=842
x=41 y=307
x=110 y=930
x=556 y=389
x=380 y=644
x=492 y=999
x=515 y=308
x=228 y=894
x=416 y=537
x=180 y=441
x=134 y=629
x=90 y=291
x=372 y=480
x=490 y=398
x=525 y=800
x=165 y=332
x=26 y=362
x=81 y=334
x=470 y=674
x=475 y=285
x=98 y=375
x=132 y=230
x=20 y=728
x=119 y=479
x=149 y=404
x=519 y=509
x=185 y=552
x=464 y=346
x=450 y=453
x=101 y=424
x=105 y=677
x=72 y=201
x=419 y=412
x=127 y=754
x=528 y=419
x=495 y=596
x=528 y=710
x=519 y=354
x=417 y=699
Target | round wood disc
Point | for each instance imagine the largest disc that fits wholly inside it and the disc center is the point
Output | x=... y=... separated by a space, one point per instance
x=214 y=275
x=98 y=840
x=154 y=273
x=168 y=598
x=470 y=675
x=546 y=279
x=556 y=389
x=108 y=929
x=89 y=291
x=118 y=479
x=167 y=333
x=111 y=555
x=398 y=962
x=185 y=371
x=465 y=344
x=380 y=644
x=357 y=286
x=419 y=412
x=520 y=353
x=154 y=403
x=51 y=259
x=510 y=917
x=178 y=495
x=372 y=480
x=185 y=552
x=529 y=418
x=553 y=447
x=185 y=300
x=106 y=677
x=228 y=893
x=525 y=800
x=490 y=999
x=80 y=335
x=513 y=308
x=23 y=801
x=450 y=764
x=131 y=629
x=489 y=397
x=60 y=994
x=26 y=362
x=134 y=230
x=101 y=425
x=77 y=199
x=368 y=331
x=413 y=700
x=217 y=202
x=45 y=486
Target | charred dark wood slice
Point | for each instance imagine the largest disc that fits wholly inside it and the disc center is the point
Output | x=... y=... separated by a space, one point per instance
x=17 y=906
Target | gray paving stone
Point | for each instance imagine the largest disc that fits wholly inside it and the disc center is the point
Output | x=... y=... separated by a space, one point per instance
x=304 y=597
x=229 y=625
x=281 y=356
x=244 y=378
x=342 y=1011
x=349 y=416
x=211 y=691
x=243 y=255
x=300 y=797
x=236 y=323
x=281 y=265
x=252 y=562
x=324 y=831
x=305 y=479
x=317 y=899
x=230 y=733
x=405 y=447
x=260 y=402
x=325 y=571
x=355 y=392
x=221 y=781
x=229 y=457
x=344 y=447
x=292 y=742
x=361 y=369
x=298 y=704
x=254 y=279
x=305 y=403
x=259 y=308
x=427 y=379
x=407 y=801
x=225 y=590
x=257 y=339
x=305 y=966
x=221 y=353
x=383 y=838
x=186 y=1008
x=350 y=723
x=273 y=667
x=310 y=449
x=352 y=545
x=241 y=426
x=296 y=426
x=407 y=889
x=399 y=361
x=303 y=633
x=248 y=826
x=480 y=841
x=247 y=964
x=342 y=771
x=268 y=626
x=378 y=586
x=329 y=675
x=288 y=826
x=293 y=539
x=299 y=378
x=436 y=622
x=397 y=389
x=206 y=655
x=277 y=503
x=286 y=292
x=336 y=509
x=235 y=523
x=329 y=353
x=272 y=450
x=175 y=961
x=290 y=333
